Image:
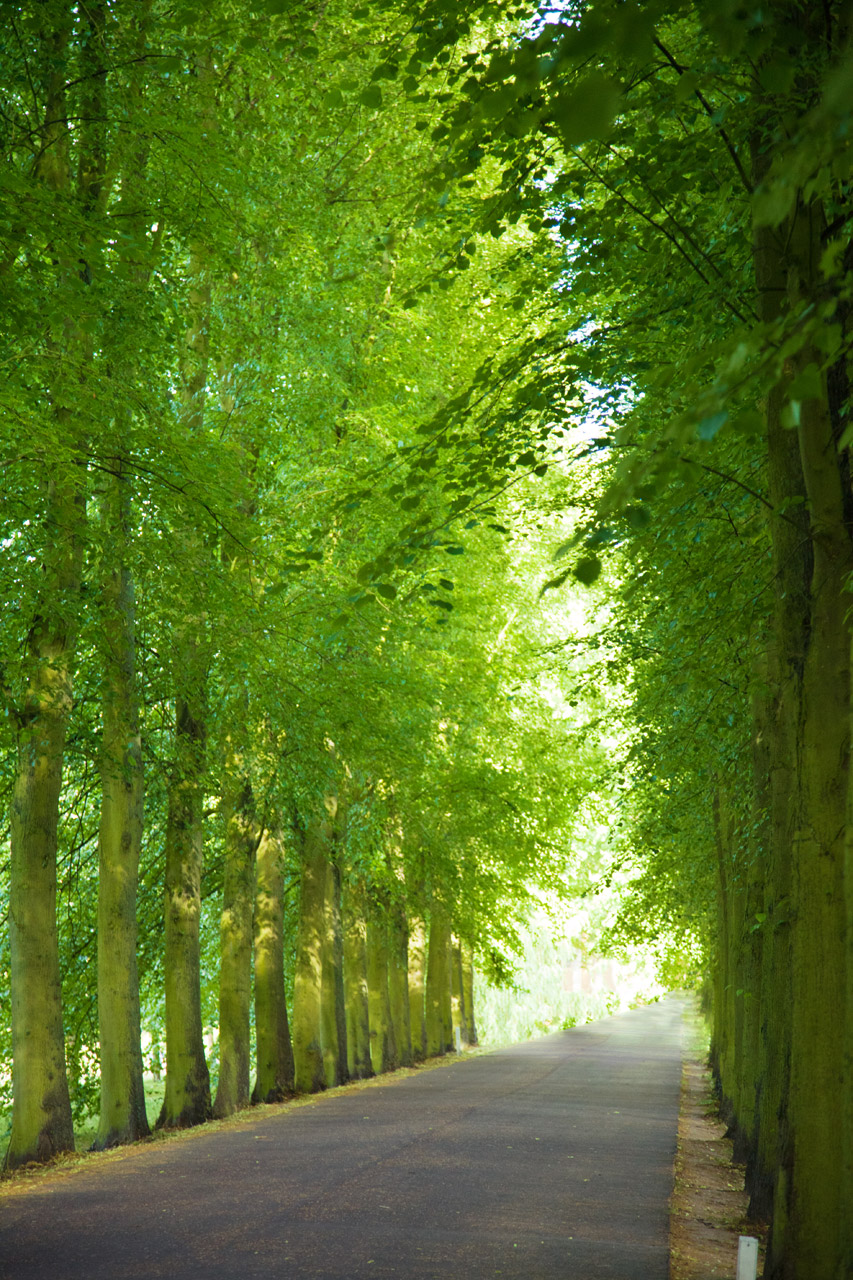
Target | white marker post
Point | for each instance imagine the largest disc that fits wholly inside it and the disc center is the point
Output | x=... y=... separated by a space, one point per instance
x=747 y=1258
x=458 y=1035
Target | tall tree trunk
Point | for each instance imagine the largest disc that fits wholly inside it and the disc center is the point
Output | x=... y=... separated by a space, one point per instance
x=187 y=1097
x=791 y=554
x=123 y=1116
x=438 y=984
x=333 y=1013
x=383 y=1047
x=417 y=985
x=41 y=1110
x=275 y=1074
x=355 y=982
x=819 y=952
x=235 y=942
x=468 y=988
x=310 y=943
x=752 y=1065
x=457 y=991
x=398 y=982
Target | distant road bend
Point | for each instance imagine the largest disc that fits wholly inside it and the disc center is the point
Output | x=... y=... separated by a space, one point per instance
x=551 y=1160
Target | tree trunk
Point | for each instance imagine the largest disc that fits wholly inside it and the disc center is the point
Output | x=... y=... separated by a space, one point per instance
x=468 y=988
x=235 y=944
x=355 y=983
x=438 y=1019
x=275 y=1069
x=308 y=977
x=187 y=1098
x=333 y=1013
x=41 y=1110
x=791 y=554
x=814 y=657
x=752 y=1065
x=457 y=992
x=123 y=1116
x=383 y=1048
x=417 y=986
x=819 y=953
x=398 y=982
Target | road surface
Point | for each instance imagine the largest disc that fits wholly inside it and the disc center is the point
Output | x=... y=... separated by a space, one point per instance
x=551 y=1160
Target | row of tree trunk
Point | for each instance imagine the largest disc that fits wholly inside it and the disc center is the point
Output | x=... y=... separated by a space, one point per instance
x=376 y=986
x=783 y=1007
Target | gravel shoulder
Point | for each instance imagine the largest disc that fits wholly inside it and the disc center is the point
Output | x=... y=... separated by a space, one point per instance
x=709 y=1203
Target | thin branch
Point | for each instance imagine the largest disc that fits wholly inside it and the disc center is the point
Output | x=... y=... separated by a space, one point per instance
x=729 y=145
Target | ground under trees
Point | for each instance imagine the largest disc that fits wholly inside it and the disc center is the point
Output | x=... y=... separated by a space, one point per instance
x=425 y=443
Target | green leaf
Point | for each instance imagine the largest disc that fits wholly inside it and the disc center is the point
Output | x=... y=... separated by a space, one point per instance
x=709 y=427
x=588 y=110
x=371 y=97
x=587 y=570
x=687 y=85
x=638 y=517
x=386 y=590
x=807 y=385
x=791 y=414
x=750 y=422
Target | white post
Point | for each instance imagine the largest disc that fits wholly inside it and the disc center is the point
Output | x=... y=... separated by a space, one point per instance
x=458 y=1035
x=747 y=1258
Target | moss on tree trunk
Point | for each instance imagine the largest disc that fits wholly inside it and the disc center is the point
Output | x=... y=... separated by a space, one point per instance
x=398 y=981
x=417 y=951
x=355 y=982
x=275 y=1066
x=383 y=1047
x=123 y=1116
x=235 y=944
x=333 y=1012
x=308 y=975
x=187 y=1097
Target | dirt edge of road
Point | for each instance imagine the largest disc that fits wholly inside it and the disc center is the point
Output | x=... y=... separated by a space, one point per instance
x=709 y=1204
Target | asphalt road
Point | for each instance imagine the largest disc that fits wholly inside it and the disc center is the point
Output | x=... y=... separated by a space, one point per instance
x=548 y=1161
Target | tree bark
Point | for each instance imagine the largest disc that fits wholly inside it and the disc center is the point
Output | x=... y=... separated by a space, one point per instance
x=383 y=1047
x=275 y=1067
x=41 y=1110
x=333 y=1013
x=235 y=943
x=457 y=992
x=308 y=976
x=417 y=985
x=123 y=1116
x=355 y=982
x=398 y=982
x=438 y=1017
x=468 y=987
x=187 y=1097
